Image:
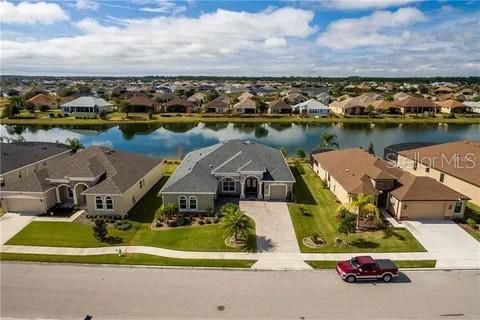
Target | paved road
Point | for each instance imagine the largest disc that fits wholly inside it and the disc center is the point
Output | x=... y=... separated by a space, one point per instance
x=72 y=292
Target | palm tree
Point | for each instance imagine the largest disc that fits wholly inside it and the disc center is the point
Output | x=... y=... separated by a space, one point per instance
x=362 y=205
x=328 y=140
x=74 y=144
x=235 y=224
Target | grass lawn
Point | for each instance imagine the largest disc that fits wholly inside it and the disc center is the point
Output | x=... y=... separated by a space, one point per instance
x=66 y=234
x=323 y=264
x=130 y=259
x=473 y=211
x=321 y=203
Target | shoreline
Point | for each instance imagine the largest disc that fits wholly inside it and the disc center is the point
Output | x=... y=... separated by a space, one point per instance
x=253 y=120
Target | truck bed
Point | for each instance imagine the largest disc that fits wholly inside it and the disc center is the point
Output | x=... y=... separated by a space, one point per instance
x=386 y=264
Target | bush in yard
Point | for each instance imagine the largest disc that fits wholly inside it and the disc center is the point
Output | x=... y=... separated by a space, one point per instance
x=168 y=211
x=182 y=221
x=299 y=167
x=43 y=108
x=100 y=231
x=123 y=225
x=472 y=223
x=301 y=153
x=348 y=224
x=235 y=225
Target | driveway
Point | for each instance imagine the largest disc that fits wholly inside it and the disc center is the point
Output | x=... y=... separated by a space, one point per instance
x=12 y=223
x=277 y=245
x=449 y=243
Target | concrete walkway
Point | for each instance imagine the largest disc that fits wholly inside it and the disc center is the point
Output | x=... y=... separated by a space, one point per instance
x=447 y=242
x=12 y=223
x=60 y=219
x=277 y=245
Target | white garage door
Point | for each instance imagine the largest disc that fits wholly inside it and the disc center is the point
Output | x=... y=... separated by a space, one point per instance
x=277 y=192
x=24 y=205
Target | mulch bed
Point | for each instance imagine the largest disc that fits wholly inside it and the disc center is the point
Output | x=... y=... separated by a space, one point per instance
x=309 y=242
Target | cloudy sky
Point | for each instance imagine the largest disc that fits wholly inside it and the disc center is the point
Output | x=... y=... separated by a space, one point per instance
x=241 y=38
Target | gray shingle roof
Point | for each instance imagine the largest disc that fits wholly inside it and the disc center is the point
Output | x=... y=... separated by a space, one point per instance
x=196 y=172
x=87 y=102
x=17 y=155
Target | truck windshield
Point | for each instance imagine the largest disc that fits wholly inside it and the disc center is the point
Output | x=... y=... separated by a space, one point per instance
x=354 y=262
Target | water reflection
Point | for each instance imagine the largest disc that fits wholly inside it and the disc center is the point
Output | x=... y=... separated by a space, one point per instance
x=164 y=140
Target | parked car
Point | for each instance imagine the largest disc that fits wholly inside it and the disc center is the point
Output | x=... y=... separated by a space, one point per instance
x=367 y=268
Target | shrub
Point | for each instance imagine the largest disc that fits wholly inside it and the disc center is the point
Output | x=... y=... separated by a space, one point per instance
x=182 y=221
x=299 y=167
x=172 y=223
x=208 y=221
x=216 y=220
x=472 y=223
x=168 y=211
x=201 y=222
x=100 y=231
x=123 y=225
x=43 y=108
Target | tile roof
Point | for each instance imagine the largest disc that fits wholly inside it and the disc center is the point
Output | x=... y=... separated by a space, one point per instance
x=196 y=172
x=216 y=103
x=87 y=102
x=414 y=102
x=246 y=103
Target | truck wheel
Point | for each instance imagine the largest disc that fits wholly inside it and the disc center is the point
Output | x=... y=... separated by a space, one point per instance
x=387 y=278
x=351 y=279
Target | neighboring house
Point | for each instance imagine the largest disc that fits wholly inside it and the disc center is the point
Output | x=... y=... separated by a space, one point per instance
x=279 y=107
x=384 y=106
x=44 y=100
x=178 y=105
x=101 y=180
x=87 y=105
x=312 y=107
x=400 y=96
x=295 y=98
x=233 y=169
x=245 y=95
x=444 y=90
x=474 y=106
x=18 y=160
x=215 y=106
x=415 y=105
x=451 y=106
x=324 y=98
x=348 y=106
x=246 y=105
x=353 y=171
x=142 y=103
x=197 y=98
x=455 y=164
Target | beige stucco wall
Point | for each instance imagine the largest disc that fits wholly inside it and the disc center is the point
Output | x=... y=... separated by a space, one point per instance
x=204 y=201
x=266 y=188
x=13 y=176
x=29 y=202
x=468 y=189
x=118 y=208
x=423 y=209
x=336 y=188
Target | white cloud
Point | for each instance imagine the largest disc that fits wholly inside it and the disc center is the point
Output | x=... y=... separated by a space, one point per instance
x=87 y=5
x=166 y=43
x=163 y=6
x=31 y=13
x=378 y=29
x=365 y=4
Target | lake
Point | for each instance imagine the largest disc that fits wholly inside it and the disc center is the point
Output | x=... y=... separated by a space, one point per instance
x=171 y=140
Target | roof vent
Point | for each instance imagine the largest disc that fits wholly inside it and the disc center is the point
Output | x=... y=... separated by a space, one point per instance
x=346 y=170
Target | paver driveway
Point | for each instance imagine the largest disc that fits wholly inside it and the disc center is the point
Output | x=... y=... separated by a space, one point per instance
x=12 y=223
x=276 y=241
x=451 y=245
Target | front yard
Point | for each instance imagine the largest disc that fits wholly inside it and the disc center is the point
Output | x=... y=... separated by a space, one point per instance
x=472 y=211
x=322 y=206
x=190 y=238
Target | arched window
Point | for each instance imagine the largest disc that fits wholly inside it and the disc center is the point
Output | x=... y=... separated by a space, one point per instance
x=182 y=203
x=192 y=202
x=228 y=185
x=109 y=203
x=98 y=203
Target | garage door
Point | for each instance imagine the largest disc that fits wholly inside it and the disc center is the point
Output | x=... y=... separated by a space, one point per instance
x=426 y=210
x=24 y=205
x=277 y=192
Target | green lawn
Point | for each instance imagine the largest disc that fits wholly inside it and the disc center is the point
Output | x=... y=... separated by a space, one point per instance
x=321 y=204
x=324 y=264
x=473 y=211
x=130 y=259
x=66 y=234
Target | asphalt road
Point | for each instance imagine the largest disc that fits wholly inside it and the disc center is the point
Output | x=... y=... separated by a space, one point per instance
x=75 y=292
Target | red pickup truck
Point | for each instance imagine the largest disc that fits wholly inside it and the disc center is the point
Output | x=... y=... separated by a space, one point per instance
x=367 y=268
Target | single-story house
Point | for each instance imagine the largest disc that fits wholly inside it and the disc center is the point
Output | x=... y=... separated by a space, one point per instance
x=474 y=106
x=245 y=95
x=296 y=98
x=416 y=105
x=279 y=106
x=451 y=106
x=178 y=105
x=353 y=171
x=44 y=100
x=324 y=98
x=101 y=180
x=348 y=106
x=443 y=90
x=246 y=105
x=311 y=107
x=87 y=105
x=215 y=106
x=454 y=164
x=142 y=103
x=197 y=98
x=233 y=169
x=384 y=106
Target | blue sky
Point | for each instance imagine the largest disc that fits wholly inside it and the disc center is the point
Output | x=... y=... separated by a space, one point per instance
x=248 y=38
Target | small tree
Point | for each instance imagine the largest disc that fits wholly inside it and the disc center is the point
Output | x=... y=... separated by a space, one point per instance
x=43 y=108
x=100 y=231
x=261 y=105
x=370 y=110
x=29 y=106
x=125 y=107
x=347 y=225
x=74 y=144
x=235 y=225
x=10 y=111
x=301 y=153
x=168 y=211
x=364 y=204
x=370 y=149
x=328 y=140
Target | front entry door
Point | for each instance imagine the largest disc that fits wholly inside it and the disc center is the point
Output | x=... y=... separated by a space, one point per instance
x=251 y=186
